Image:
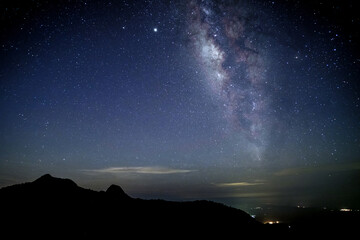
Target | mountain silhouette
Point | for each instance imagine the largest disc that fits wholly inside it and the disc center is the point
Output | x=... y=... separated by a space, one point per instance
x=117 y=192
x=53 y=207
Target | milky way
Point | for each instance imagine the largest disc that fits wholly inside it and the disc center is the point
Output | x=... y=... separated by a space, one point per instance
x=225 y=44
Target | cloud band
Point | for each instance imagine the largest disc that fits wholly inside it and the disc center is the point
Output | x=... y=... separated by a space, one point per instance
x=139 y=170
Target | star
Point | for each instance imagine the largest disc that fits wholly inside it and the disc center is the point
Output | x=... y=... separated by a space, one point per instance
x=155 y=29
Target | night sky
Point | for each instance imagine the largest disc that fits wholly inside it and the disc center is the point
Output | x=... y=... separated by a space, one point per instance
x=241 y=102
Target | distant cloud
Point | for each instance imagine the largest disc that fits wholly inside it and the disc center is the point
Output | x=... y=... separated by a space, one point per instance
x=318 y=169
x=238 y=184
x=253 y=195
x=139 y=170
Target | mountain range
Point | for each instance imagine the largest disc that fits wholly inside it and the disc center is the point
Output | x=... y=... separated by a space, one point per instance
x=58 y=208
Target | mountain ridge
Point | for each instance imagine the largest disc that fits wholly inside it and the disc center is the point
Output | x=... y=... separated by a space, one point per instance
x=66 y=209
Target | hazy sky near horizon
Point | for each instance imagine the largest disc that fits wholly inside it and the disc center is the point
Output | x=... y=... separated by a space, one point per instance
x=235 y=101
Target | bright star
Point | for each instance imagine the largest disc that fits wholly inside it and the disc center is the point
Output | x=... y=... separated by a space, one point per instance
x=155 y=29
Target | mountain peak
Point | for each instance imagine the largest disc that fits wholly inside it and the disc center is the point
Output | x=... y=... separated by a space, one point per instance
x=48 y=180
x=45 y=177
x=117 y=191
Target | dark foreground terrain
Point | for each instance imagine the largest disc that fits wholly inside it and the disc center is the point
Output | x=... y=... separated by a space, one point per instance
x=57 y=208
x=53 y=208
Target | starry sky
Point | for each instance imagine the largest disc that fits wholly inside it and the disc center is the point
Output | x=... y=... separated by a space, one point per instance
x=241 y=102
